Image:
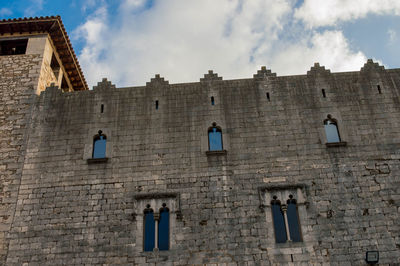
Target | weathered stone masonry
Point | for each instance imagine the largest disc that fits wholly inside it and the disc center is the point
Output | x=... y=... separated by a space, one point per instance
x=69 y=211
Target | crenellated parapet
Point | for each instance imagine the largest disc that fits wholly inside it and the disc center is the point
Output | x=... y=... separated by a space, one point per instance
x=264 y=74
x=157 y=81
x=372 y=66
x=104 y=84
x=318 y=70
x=210 y=76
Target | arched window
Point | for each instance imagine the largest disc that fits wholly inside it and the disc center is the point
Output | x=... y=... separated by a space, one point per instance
x=286 y=220
x=293 y=219
x=279 y=221
x=99 y=146
x=215 y=138
x=149 y=229
x=163 y=228
x=331 y=130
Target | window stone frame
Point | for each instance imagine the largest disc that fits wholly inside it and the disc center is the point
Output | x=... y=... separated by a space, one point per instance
x=282 y=191
x=155 y=200
x=89 y=142
x=335 y=116
x=204 y=138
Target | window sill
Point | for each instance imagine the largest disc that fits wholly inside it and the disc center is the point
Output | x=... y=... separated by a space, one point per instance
x=336 y=144
x=212 y=153
x=97 y=160
x=289 y=244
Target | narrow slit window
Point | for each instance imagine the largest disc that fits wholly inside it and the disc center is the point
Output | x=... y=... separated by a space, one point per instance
x=64 y=84
x=293 y=220
x=163 y=229
x=149 y=229
x=55 y=66
x=157 y=105
x=212 y=100
x=268 y=96
x=99 y=146
x=323 y=93
x=379 y=89
x=279 y=221
x=102 y=108
x=215 y=138
x=331 y=130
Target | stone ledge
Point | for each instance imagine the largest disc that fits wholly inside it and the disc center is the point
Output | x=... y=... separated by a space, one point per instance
x=97 y=160
x=156 y=195
x=212 y=153
x=336 y=144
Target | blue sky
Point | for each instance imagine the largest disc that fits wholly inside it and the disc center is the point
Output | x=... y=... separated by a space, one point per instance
x=128 y=41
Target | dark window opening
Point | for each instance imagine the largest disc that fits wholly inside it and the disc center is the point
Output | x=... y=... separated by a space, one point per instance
x=279 y=221
x=163 y=229
x=102 y=108
x=323 y=93
x=99 y=146
x=293 y=220
x=64 y=85
x=157 y=105
x=55 y=66
x=149 y=229
x=215 y=138
x=13 y=47
x=379 y=89
x=331 y=130
x=268 y=96
x=212 y=100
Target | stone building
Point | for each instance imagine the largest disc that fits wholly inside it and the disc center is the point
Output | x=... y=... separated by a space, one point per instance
x=261 y=171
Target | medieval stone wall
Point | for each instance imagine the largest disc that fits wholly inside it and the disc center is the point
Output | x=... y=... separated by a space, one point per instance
x=18 y=76
x=73 y=211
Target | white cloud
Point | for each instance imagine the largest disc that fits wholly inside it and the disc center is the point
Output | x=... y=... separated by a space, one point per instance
x=88 y=4
x=132 y=4
x=182 y=39
x=33 y=8
x=317 y=13
x=330 y=49
x=392 y=35
x=5 y=11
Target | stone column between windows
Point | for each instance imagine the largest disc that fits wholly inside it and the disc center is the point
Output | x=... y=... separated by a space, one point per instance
x=156 y=219
x=284 y=209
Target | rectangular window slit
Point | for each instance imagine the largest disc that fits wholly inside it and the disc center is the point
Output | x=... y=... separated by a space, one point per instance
x=157 y=105
x=102 y=108
x=268 y=96
x=323 y=93
x=212 y=100
x=379 y=89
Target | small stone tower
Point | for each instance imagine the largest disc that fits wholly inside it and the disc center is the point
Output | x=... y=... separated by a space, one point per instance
x=34 y=53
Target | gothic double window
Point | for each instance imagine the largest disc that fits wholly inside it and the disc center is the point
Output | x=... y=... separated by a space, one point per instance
x=285 y=220
x=156 y=228
x=285 y=208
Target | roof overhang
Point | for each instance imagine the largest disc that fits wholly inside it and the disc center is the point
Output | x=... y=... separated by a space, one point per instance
x=55 y=28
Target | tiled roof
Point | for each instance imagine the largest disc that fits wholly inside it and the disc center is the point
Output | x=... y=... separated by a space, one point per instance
x=55 y=28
